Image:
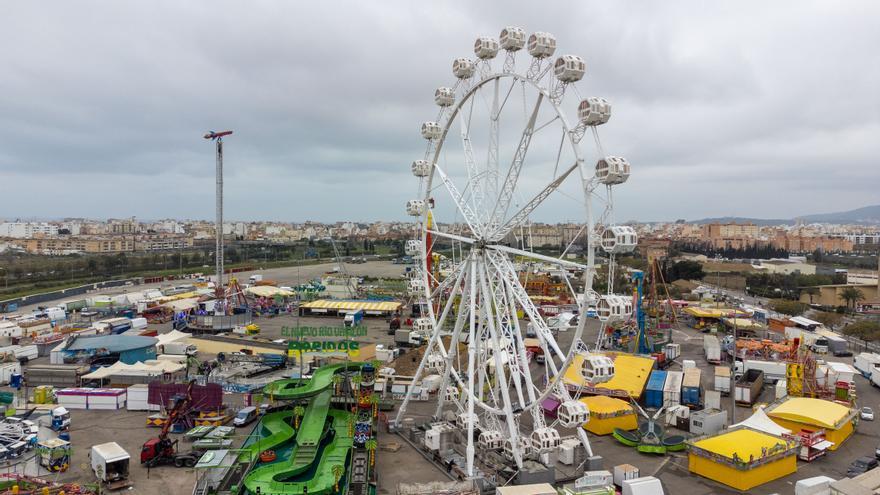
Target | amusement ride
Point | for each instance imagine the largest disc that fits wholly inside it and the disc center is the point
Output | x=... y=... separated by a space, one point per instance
x=518 y=155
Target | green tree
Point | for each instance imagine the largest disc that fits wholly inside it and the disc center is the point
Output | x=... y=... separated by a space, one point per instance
x=828 y=319
x=371 y=446
x=374 y=402
x=337 y=380
x=810 y=291
x=356 y=381
x=337 y=473
x=784 y=306
x=298 y=412
x=851 y=296
x=864 y=330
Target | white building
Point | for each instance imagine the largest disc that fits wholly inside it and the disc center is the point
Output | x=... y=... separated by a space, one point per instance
x=27 y=230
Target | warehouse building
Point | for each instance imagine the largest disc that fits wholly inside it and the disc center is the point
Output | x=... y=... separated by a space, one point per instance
x=742 y=458
x=128 y=349
x=803 y=413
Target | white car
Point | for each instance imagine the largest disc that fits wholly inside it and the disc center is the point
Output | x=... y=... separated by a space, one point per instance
x=867 y=414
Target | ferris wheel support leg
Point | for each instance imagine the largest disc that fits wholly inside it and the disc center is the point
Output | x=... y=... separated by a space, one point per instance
x=429 y=347
x=471 y=360
x=456 y=333
x=500 y=375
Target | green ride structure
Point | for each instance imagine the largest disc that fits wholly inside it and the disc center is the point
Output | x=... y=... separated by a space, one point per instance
x=320 y=440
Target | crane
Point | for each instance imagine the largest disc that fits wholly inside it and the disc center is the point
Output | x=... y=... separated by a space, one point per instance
x=161 y=449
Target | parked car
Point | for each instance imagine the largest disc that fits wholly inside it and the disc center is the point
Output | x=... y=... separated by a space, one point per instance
x=877 y=452
x=867 y=414
x=860 y=466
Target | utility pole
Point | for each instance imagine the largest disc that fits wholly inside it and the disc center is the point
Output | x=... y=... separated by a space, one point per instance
x=733 y=372
x=217 y=137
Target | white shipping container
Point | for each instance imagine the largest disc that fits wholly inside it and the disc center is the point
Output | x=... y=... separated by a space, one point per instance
x=688 y=364
x=865 y=361
x=712 y=399
x=623 y=472
x=138 y=323
x=819 y=485
x=712 y=348
x=781 y=389
x=722 y=379
x=647 y=485
x=672 y=388
x=672 y=351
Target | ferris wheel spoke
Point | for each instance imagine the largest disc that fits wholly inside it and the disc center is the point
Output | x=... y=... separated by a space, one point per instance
x=492 y=155
x=529 y=254
x=467 y=213
x=508 y=188
x=519 y=217
x=465 y=240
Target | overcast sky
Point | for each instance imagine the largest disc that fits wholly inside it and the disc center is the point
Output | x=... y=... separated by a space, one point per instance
x=767 y=109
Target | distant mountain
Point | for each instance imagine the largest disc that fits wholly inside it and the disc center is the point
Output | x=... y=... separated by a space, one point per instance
x=869 y=215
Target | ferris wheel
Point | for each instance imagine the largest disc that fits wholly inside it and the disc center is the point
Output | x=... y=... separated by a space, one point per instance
x=502 y=155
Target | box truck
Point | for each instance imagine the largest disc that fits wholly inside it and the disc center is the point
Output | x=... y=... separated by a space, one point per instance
x=110 y=462
x=865 y=362
x=722 y=379
x=691 y=395
x=712 y=348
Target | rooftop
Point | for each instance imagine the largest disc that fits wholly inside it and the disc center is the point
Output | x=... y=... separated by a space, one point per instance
x=745 y=443
x=113 y=343
x=816 y=412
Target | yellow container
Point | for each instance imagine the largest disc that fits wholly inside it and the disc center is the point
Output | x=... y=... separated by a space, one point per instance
x=40 y=395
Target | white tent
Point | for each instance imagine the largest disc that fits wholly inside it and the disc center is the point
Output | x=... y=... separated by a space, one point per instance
x=149 y=368
x=183 y=304
x=172 y=336
x=761 y=422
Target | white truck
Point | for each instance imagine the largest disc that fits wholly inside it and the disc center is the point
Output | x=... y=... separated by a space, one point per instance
x=21 y=353
x=110 y=462
x=865 y=363
x=722 y=379
x=255 y=278
x=773 y=370
x=712 y=348
x=180 y=349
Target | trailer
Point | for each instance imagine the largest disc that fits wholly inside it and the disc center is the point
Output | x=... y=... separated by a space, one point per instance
x=773 y=370
x=865 y=363
x=722 y=379
x=712 y=348
x=749 y=387
x=654 y=389
x=110 y=462
x=838 y=346
x=691 y=390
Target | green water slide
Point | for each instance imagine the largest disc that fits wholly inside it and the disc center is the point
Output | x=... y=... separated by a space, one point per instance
x=271 y=478
x=278 y=424
x=295 y=388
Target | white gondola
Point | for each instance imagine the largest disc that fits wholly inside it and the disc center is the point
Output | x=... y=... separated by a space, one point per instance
x=545 y=440
x=542 y=45
x=572 y=413
x=416 y=287
x=413 y=247
x=612 y=170
x=614 y=307
x=423 y=325
x=485 y=47
x=451 y=394
x=421 y=168
x=619 y=239
x=525 y=447
x=512 y=38
x=594 y=111
x=490 y=440
x=435 y=361
x=597 y=368
x=415 y=207
x=569 y=68
x=463 y=68
x=444 y=96
x=431 y=130
x=462 y=420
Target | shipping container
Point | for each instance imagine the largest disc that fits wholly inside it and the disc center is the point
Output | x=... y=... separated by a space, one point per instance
x=647 y=485
x=654 y=389
x=623 y=472
x=749 y=387
x=672 y=351
x=722 y=379
x=691 y=388
x=707 y=421
x=672 y=388
x=712 y=348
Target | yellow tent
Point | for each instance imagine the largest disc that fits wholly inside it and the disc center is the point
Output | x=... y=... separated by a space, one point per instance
x=608 y=413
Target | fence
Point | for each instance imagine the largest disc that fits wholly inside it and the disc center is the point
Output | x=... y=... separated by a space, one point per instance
x=10 y=305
